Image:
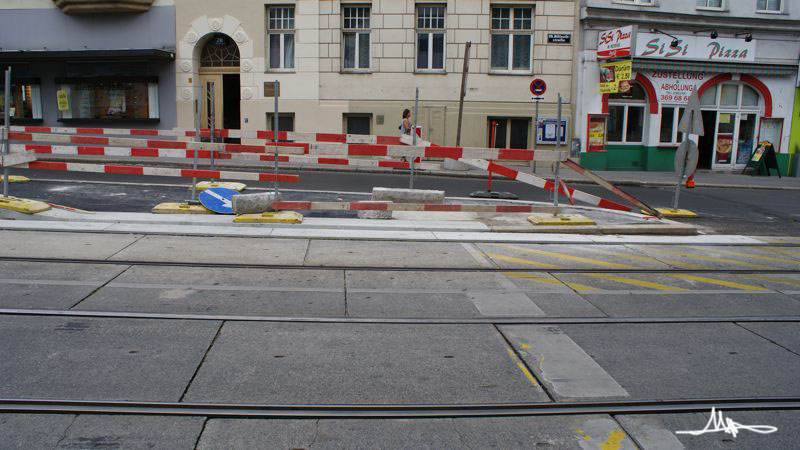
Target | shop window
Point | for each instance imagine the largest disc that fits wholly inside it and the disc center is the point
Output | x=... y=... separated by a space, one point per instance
x=731 y=96
x=626 y=119
x=670 y=118
x=25 y=103
x=356 y=37
x=512 y=31
x=509 y=132
x=358 y=123
x=430 y=38
x=773 y=6
x=108 y=99
x=280 y=35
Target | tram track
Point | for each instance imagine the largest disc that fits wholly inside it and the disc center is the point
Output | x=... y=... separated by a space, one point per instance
x=396 y=411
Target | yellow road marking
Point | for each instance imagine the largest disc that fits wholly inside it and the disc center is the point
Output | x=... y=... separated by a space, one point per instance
x=783 y=251
x=614 y=441
x=777 y=280
x=730 y=284
x=635 y=282
x=750 y=255
x=651 y=259
x=521 y=261
x=541 y=279
x=704 y=257
x=570 y=257
x=522 y=367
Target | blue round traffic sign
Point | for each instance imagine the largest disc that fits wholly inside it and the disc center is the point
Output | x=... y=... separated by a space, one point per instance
x=538 y=87
x=218 y=200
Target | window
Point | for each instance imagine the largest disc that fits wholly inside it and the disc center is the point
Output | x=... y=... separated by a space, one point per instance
x=637 y=2
x=358 y=123
x=626 y=116
x=280 y=35
x=109 y=99
x=670 y=118
x=709 y=4
x=285 y=121
x=430 y=38
x=512 y=30
x=355 y=37
x=509 y=132
x=220 y=51
x=773 y=6
x=731 y=96
x=25 y=102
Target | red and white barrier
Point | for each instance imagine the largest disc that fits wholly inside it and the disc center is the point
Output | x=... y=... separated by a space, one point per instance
x=159 y=171
x=389 y=206
x=533 y=180
x=608 y=185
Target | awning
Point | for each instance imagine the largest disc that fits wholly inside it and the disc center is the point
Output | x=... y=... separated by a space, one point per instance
x=713 y=67
x=72 y=55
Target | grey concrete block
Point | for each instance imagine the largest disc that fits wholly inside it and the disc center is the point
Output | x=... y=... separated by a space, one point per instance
x=452 y=164
x=407 y=195
x=254 y=203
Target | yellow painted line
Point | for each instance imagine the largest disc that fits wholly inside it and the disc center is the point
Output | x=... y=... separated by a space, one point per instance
x=784 y=251
x=541 y=279
x=521 y=261
x=755 y=256
x=777 y=280
x=730 y=284
x=570 y=257
x=704 y=257
x=674 y=262
x=522 y=367
x=614 y=440
x=635 y=282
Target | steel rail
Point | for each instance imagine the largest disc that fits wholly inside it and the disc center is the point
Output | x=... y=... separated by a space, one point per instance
x=386 y=268
x=489 y=320
x=396 y=411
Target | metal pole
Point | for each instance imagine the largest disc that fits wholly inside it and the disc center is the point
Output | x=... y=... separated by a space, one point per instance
x=196 y=139
x=212 y=117
x=275 y=127
x=464 y=73
x=6 y=114
x=558 y=161
x=414 y=138
x=535 y=133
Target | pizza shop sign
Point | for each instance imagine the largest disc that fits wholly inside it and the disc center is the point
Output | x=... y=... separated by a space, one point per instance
x=651 y=45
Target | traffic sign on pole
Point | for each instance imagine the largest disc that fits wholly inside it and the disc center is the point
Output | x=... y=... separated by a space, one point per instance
x=692 y=120
x=538 y=87
x=218 y=200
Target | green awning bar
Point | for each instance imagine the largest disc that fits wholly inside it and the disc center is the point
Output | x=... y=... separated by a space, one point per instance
x=713 y=67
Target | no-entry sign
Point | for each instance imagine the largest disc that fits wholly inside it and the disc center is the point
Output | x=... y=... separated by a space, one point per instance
x=538 y=87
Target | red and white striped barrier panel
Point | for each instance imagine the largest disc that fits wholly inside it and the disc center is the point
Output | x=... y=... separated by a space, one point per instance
x=608 y=185
x=544 y=184
x=128 y=152
x=160 y=171
x=389 y=206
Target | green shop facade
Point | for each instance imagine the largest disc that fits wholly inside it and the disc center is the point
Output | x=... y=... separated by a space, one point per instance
x=745 y=100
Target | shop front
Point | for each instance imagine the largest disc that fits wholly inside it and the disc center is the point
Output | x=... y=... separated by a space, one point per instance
x=739 y=109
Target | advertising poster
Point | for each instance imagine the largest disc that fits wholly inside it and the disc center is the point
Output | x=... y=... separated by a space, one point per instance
x=613 y=74
x=724 y=148
x=597 y=134
x=616 y=43
x=547 y=131
x=63 y=100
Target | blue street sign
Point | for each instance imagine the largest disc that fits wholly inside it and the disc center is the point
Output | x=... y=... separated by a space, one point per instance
x=218 y=200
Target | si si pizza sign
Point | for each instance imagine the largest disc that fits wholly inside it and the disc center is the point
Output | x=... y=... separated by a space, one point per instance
x=616 y=43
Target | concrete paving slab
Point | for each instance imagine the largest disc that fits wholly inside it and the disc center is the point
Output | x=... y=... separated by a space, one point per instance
x=220 y=277
x=389 y=254
x=702 y=239
x=39 y=296
x=714 y=257
x=423 y=281
x=63 y=245
x=567 y=256
x=560 y=364
x=783 y=282
x=787 y=422
x=47 y=225
x=786 y=335
x=394 y=305
x=354 y=234
x=694 y=304
x=67 y=431
x=649 y=432
x=109 y=359
x=665 y=283
x=689 y=360
x=586 y=432
x=513 y=237
x=216 y=249
x=366 y=363
x=564 y=304
x=504 y=304
x=188 y=300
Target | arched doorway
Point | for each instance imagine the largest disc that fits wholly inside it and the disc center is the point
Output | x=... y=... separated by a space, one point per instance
x=219 y=82
x=731 y=112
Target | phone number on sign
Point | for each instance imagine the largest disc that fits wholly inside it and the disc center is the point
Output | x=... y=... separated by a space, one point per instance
x=680 y=98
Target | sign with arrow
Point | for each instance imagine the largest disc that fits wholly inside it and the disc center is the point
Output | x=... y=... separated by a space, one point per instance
x=218 y=200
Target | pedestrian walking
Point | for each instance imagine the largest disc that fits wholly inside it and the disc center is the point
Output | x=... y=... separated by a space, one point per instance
x=405 y=126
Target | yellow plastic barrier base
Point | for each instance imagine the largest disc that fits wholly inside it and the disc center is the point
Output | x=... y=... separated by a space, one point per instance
x=179 y=208
x=561 y=219
x=233 y=185
x=270 y=217
x=23 y=205
x=677 y=213
x=16 y=179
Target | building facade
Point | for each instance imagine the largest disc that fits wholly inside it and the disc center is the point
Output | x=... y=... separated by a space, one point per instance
x=741 y=56
x=353 y=66
x=97 y=63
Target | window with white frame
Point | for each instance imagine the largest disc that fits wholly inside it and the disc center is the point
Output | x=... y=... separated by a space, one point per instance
x=731 y=96
x=355 y=37
x=637 y=2
x=430 y=38
x=626 y=116
x=512 y=38
x=710 y=4
x=774 y=6
x=280 y=36
x=670 y=118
